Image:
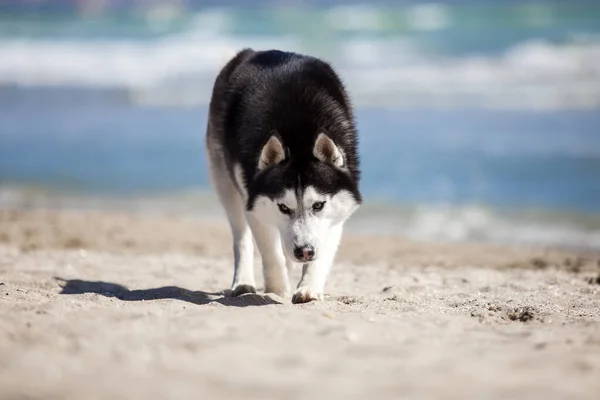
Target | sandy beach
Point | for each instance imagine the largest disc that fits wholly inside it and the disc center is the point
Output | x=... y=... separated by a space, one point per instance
x=106 y=304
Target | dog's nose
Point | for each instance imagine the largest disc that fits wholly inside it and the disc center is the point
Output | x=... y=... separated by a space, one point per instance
x=304 y=253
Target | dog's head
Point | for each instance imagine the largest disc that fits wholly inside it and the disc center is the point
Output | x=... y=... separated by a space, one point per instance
x=304 y=198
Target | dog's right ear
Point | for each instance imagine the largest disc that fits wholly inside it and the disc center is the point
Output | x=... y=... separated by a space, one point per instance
x=272 y=153
x=325 y=150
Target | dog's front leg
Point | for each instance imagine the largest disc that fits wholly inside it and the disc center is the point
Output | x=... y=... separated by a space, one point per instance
x=274 y=264
x=314 y=274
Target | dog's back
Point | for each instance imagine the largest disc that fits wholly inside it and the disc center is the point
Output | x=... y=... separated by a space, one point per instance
x=258 y=92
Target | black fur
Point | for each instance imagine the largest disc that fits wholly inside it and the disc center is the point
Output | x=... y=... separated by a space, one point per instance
x=297 y=96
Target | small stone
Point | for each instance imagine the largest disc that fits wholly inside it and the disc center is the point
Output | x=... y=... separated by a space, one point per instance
x=352 y=336
x=328 y=315
x=594 y=280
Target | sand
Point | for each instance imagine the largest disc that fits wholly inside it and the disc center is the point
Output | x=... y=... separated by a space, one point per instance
x=99 y=304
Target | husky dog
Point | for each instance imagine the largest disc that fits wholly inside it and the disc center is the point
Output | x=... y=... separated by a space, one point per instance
x=282 y=148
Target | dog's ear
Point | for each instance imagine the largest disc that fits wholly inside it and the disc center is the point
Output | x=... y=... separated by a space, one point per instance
x=326 y=151
x=272 y=153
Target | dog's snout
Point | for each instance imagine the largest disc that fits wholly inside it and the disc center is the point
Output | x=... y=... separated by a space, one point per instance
x=304 y=253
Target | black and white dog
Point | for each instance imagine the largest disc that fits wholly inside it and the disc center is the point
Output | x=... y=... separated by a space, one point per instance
x=282 y=148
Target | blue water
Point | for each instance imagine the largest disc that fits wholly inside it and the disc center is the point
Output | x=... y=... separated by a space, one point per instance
x=548 y=160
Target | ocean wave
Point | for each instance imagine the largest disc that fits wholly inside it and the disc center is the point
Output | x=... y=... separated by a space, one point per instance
x=179 y=69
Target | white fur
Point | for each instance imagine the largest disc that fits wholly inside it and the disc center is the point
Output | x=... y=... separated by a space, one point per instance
x=305 y=226
x=277 y=234
x=233 y=203
x=239 y=180
x=314 y=274
x=322 y=230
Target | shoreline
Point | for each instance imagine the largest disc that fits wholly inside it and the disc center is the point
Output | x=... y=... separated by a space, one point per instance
x=427 y=223
x=124 y=231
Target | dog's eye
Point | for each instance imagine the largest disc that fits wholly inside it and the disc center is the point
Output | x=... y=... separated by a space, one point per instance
x=284 y=209
x=318 y=206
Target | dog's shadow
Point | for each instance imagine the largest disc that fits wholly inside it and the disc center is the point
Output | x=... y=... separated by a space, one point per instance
x=114 y=290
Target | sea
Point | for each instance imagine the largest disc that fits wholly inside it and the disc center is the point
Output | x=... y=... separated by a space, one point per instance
x=478 y=120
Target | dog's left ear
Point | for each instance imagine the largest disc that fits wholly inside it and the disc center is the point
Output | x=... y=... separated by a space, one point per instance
x=272 y=153
x=326 y=151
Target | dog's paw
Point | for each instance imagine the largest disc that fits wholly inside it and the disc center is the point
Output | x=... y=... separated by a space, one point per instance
x=242 y=289
x=305 y=294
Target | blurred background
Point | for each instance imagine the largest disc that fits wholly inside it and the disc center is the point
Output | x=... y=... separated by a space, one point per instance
x=479 y=120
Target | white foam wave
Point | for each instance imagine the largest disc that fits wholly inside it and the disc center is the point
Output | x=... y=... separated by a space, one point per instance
x=125 y=64
x=178 y=69
x=534 y=74
x=473 y=223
